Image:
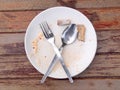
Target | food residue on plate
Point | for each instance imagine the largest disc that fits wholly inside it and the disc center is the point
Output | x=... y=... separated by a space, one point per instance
x=35 y=45
x=63 y=22
x=35 y=42
x=40 y=36
x=81 y=32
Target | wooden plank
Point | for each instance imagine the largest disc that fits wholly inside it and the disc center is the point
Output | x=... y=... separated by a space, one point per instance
x=105 y=65
x=90 y=3
x=43 y=4
x=18 y=21
x=12 y=44
x=16 y=67
x=96 y=3
x=108 y=42
x=26 y=4
x=89 y=84
x=19 y=67
x=104 y=18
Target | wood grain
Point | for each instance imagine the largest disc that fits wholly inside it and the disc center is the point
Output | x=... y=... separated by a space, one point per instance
x=16 y=72
x=12 y=43
x=43 y=4
x=18 y=21
x=108 y=42
x=26 y=4
x=33 y=84
x=107 y=65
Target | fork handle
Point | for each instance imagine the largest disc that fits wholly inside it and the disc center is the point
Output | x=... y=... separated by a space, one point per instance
x=59 y=56
x=52 y=64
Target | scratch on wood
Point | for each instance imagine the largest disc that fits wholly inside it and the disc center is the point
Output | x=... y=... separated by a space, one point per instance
x=9 y=15
x=116 y=38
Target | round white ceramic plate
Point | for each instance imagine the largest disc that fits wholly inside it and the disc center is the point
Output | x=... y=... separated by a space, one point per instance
x=77 y=56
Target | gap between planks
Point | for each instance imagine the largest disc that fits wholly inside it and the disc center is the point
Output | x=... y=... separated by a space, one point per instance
x=75 y=78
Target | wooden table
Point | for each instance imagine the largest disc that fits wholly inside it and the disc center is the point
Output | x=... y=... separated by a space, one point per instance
x=16 y=72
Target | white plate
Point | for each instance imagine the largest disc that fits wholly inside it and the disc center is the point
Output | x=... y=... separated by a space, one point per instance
x=77 y=56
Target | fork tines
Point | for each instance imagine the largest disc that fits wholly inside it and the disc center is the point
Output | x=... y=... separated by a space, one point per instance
x=46 y=29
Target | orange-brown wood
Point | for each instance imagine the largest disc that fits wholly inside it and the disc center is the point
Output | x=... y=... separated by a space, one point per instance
x=102 y=19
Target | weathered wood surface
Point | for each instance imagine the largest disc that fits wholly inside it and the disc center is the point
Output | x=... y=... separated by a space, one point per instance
x=108 y=42
x=16 y=72
x=12 y=43
x=87 y=84
x=43 y=4
x=103 y=66
x=18 y=21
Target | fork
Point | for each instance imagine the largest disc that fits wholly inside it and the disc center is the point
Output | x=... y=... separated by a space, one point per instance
x=50 y=38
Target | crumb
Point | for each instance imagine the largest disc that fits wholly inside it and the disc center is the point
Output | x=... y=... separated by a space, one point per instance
x=35 y=45
x=81 y=32
x=63 y=22
x=40 y=36
x=35 y=42
x=45 y=56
